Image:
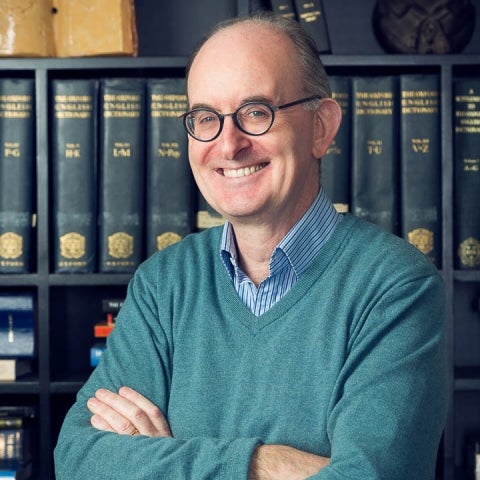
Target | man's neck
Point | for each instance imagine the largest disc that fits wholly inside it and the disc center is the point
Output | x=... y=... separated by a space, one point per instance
x=255 y=246
x=257 y=238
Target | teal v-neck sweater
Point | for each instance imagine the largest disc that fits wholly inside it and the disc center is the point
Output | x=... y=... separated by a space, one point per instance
x=350 y=364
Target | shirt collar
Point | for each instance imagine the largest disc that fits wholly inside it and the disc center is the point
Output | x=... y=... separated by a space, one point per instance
x=301 y=244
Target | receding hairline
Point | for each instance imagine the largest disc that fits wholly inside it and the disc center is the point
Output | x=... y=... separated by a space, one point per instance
x=293 y=33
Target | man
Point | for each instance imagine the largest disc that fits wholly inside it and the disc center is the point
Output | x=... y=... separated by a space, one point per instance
x=291 y=343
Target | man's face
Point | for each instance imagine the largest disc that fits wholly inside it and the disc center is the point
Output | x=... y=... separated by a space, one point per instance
x=268 y=178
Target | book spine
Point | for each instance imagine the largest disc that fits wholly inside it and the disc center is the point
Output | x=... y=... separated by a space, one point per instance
x=206 y=216
x=311 y=15
x=285 y=8
x=375 y=186
x=96 y=351
x=420 y=163
x=11 y=422
x=17 y=336
x=12 y=446
x=111 y=305
x=169 y=208
x=17 y=174
x=336 y=162
x=10 y=370
x=121 y=146
x=467 y=173
x=73 y=175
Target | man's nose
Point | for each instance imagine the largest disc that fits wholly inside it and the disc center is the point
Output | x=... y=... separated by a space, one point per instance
x=232 y=139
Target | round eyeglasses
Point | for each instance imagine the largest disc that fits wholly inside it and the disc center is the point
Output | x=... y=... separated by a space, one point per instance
x=252 y=118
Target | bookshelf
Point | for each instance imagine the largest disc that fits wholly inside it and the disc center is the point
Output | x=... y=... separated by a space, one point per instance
x=69 y=304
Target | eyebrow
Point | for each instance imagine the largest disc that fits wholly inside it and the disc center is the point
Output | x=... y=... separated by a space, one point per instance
x=256 y=98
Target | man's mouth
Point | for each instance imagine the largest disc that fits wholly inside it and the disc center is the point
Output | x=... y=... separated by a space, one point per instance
x=242 y=172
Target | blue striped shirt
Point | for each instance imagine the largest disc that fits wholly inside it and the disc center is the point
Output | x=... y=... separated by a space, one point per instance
x=290 y=258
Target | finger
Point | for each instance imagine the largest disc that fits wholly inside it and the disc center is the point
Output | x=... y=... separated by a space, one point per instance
x=155 y=415
x=100 y=424
x=115 y=411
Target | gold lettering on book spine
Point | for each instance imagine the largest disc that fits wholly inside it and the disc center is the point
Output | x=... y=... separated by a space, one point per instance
x=120 y=245
x=72 y=245
x=469 y=252
x=11 y=245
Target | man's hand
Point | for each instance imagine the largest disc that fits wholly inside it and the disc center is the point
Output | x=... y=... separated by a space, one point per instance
x=280 y=462
x=127 y=413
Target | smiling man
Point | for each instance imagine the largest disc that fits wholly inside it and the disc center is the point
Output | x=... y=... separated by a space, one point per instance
x=293 y=342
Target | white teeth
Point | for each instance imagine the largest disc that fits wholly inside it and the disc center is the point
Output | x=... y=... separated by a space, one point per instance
x=242 y=172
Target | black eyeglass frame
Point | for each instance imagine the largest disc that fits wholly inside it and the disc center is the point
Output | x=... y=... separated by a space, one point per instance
x=221 y=116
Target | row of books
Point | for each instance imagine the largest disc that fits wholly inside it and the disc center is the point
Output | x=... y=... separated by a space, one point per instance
x=386 y=162
x=310 y=14
x=17 y=335
x=121 y=186
x=121 y=181
x=15 y=442
x=103 y=328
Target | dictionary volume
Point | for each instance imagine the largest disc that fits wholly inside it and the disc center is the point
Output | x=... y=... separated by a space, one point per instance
x=74 y=121
x=420 y=163
x=169 y=184
x=17 y=174
x=375 y=150
x=122 y=163
x=466 y=144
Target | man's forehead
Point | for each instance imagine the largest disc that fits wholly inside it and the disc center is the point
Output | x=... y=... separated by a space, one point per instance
x=245 y=50
x=254 y=37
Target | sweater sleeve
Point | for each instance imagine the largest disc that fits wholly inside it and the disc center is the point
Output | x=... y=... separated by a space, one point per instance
x=139 y=354
x=389 y=406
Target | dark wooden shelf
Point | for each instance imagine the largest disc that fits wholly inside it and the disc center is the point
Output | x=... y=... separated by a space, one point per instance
x=31 y=385
x=467 y=276
x=91 y=279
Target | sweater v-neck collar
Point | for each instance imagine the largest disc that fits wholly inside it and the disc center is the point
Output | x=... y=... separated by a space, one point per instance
x=237 y=309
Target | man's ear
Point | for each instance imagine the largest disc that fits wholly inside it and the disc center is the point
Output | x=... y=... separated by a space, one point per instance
x=327 y=121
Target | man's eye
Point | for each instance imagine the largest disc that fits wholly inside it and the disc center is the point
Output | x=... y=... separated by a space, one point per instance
x=258 y=112
x=205 y=118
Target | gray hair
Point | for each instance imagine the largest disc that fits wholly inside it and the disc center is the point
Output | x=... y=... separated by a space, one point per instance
x=314 y=77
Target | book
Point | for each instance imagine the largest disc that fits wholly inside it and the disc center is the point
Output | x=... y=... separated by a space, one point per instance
x=375 y=186
x=286 y=8
x=472 y=455
x=96 y=351
x=14 y=447
x=26 y=29
x=169 y=183
x=311 y=14
x=12 y=369
x=15 y=441
x=206 y=216
x=74 y=175
x=466 y=145
x=17 y=174
x=122 y=164
x=11 y=422
x=104 y=329
x=16 y=472
x=26 y=412
x=17 y=326
x=94 y=27
x=420 y=163
x=112 y=305
x=335 y=164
